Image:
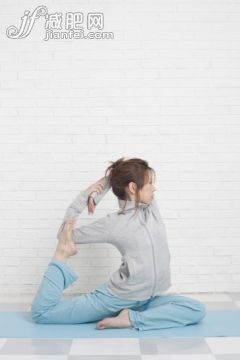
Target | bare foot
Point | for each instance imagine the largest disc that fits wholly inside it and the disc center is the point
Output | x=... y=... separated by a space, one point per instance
x=66 y=247
x=120 y=321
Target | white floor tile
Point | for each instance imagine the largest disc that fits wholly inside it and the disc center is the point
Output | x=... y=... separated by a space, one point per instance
x=105 y=346
x=2 y=342
x=224 y=345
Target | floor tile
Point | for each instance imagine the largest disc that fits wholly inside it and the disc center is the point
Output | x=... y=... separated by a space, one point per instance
x=227 y=357
x=33 y=357
x=179 y=357
x=234 y=296
x=2 y=342
x=104 y=357
x=174 y=346
x=224 y=345
x=36 y=346
x=105 y=346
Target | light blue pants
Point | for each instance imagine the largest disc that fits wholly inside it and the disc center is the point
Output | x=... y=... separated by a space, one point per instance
x=158 y=312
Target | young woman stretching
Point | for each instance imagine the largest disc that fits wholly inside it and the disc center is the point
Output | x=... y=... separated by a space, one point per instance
x=134 y=295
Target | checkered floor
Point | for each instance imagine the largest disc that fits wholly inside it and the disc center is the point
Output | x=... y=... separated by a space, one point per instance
x=219 y=348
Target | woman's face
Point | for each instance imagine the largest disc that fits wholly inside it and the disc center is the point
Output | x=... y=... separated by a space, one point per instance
x=146 y=193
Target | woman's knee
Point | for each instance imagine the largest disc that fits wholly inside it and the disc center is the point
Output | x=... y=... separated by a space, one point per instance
x=202 y=310
x=39 y=314
x=195 y=310
x=36 y=314
x=36 y=317
x=199 y=310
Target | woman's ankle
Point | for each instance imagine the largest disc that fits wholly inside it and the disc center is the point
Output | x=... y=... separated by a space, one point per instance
x=60 y=256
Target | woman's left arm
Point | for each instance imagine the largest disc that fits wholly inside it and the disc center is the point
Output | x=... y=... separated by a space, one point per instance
x=98 y=190
x=97 y=197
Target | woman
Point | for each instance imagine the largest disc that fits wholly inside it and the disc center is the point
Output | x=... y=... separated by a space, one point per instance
x=134 y=295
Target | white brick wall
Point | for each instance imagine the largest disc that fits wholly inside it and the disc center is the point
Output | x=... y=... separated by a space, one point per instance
x=167 y=89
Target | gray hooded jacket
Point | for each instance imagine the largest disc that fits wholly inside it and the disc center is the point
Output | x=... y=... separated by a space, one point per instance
x=140 y=238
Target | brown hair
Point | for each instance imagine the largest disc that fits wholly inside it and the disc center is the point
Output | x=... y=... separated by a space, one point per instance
x=122 y=172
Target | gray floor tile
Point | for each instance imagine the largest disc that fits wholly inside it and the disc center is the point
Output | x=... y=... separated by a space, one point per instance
x=228 y=357
x=234 y=296
x=104 y=357
x=174 y=346
x=36 y=346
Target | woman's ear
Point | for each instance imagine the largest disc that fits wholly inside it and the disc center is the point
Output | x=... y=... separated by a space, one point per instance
x=132 y=187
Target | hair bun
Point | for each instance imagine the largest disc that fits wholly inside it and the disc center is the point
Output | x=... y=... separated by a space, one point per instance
x=115 y=166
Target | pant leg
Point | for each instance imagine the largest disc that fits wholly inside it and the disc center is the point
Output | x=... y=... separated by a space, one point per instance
x=48 y=308
x=168 y=311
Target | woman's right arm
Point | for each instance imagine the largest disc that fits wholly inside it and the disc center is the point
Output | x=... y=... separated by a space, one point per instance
x=98 y=231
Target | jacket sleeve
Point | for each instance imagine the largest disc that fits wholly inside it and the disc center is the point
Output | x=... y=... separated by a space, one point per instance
x=97 y=232
x=74 y=209
x=97 y=197
x=155 y=209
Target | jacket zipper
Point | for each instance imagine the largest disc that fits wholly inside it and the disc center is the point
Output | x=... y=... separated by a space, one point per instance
x=155 y=275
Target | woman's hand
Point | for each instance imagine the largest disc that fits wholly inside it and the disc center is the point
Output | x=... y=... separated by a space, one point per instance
x=96 y=187
x=91 y=205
